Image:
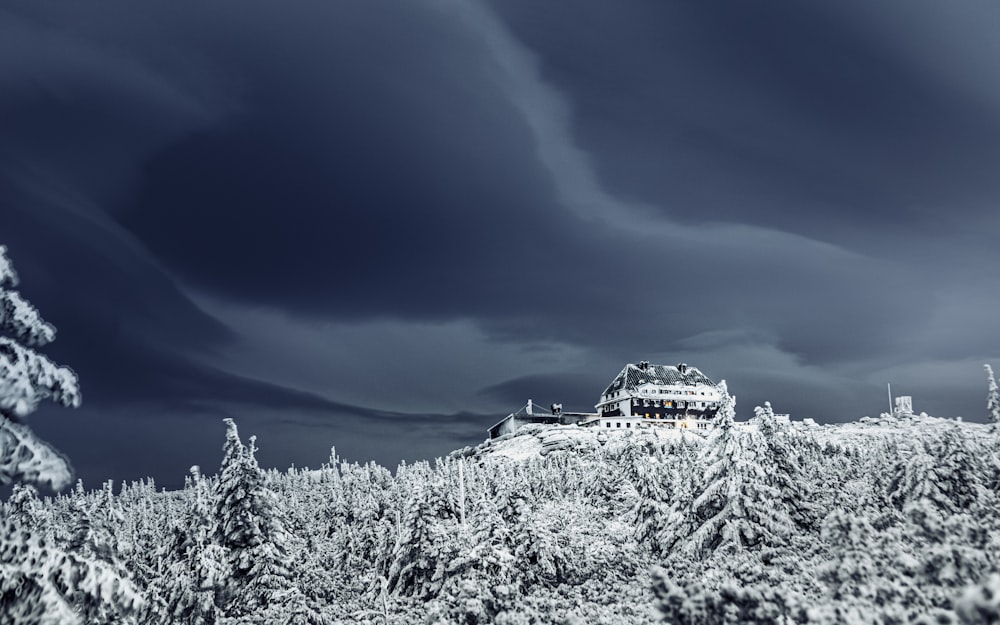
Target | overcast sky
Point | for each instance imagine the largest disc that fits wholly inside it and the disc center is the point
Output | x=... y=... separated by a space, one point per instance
x=384 y=225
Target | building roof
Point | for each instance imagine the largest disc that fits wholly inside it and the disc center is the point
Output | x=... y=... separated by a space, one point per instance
x=633 y=376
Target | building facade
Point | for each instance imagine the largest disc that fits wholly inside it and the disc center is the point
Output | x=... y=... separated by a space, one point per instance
x=646 y=395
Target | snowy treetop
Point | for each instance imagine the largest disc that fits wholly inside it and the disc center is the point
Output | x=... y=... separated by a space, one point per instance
x=8 y=277
x=27 y=378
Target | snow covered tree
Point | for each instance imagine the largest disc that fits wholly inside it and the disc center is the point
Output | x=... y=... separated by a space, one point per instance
x=868 y=573
x=39 y=582
x=736 y=507
x=980 y=604
x=993 y=398
x=783 y=470
x=26 y=378
x=195 y=567
x=249 y=529
x=951 y=550
x=24 y=506
x=948 y=473
x=652 y=502
x=731 y=604
x=611 y=486
x=960 y=469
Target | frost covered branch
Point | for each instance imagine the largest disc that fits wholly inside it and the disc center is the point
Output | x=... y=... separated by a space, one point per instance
x=27 y=378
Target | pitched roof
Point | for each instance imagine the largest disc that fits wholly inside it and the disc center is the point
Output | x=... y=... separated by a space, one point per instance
x=633 y=376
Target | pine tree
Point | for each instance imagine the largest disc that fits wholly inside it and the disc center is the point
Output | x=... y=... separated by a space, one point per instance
x=26 y=378
x=993 y=398
x=249 y=530
x=736 y=506
x=960 y=470
x=424 y=547
x=731 y=604
x=868 y=573
x=40 y=583
x=783 y=470
x=952 y=550
x=652 y=503
x=195 y=568
x=948 y=474
x=980 y=603
x=24 y=506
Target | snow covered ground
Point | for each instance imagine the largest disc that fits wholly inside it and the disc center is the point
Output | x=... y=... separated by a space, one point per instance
x=891 y=521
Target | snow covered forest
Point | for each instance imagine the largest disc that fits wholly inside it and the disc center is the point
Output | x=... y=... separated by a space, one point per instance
x=887 y=521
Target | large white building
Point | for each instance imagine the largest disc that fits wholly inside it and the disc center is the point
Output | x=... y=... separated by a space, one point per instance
x=644 y=395
x=641 y=395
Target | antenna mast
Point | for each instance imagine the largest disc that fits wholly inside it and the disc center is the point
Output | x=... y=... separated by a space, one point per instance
x=888 y=386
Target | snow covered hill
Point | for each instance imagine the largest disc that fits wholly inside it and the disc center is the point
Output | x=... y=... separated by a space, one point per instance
x=536 y=441
x=891 y=521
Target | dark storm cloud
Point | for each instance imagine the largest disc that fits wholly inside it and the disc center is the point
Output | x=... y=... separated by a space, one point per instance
x=797 y=116
x=795 y=195
x=397 y=179
x=96 y=100
x=79 y=114
x=129 y=333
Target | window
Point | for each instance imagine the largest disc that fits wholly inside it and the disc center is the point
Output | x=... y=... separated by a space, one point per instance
x=608 y=424
x=618 y=425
